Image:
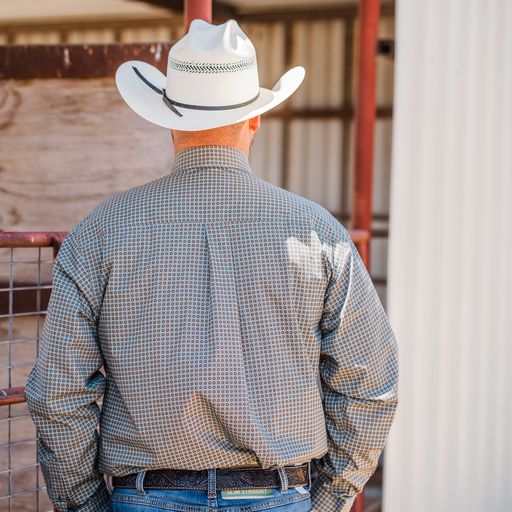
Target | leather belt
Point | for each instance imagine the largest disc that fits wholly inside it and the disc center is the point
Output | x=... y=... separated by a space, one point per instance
x=226 y=478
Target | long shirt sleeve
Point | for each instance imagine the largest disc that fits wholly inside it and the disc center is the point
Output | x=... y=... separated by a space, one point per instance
x=65 y=382
x=359 y=380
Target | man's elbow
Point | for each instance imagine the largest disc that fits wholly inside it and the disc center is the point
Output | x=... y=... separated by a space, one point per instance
x=37 y=401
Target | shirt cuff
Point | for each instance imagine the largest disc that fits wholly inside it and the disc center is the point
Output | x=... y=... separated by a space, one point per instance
x=329 y=502
x=324 y=499
x=99 y=502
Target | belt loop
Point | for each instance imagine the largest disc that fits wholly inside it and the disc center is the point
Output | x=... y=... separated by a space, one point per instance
x=284 y=479
x=139 y=482
x=212 y=484
x=108 y=482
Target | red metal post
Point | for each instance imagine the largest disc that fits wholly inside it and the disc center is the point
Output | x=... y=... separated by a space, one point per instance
x=197 y=9
x=365 y=115
x=365 y=126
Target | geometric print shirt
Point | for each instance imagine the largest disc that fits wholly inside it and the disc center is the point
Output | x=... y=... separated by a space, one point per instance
x=221 y=321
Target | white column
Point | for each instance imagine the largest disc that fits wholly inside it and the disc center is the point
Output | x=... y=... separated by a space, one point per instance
x=450 y=258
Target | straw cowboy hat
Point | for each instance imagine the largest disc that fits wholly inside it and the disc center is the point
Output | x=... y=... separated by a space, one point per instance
x=212 y=80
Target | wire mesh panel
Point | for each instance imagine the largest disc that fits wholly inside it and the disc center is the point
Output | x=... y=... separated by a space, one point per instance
x=25 y=286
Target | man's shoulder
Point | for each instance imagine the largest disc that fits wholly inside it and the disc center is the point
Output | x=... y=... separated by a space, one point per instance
x=326 y=225
x=118 y=207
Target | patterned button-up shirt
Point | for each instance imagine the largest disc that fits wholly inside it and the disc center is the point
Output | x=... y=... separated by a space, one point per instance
x=224 y=322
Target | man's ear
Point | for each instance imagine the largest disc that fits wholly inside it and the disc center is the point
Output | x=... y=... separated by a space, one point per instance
x=254 y=124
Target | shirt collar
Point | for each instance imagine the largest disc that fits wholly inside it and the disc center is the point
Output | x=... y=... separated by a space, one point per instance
x=211 y=156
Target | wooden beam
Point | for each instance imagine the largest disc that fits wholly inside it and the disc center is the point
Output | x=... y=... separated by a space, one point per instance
x=316 y=13
x=173 y=5
x=74 y=25
x=76 y=61
x=228 y=9
x=346 y=112
x=220 y=10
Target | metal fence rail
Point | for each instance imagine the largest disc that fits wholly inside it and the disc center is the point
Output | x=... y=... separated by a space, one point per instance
x=26 y=260
x=25 y=284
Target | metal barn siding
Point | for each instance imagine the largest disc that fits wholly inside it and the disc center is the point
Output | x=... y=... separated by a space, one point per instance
x=307 y=144
x=317 y=139
x=316 y=144
x=450 y=277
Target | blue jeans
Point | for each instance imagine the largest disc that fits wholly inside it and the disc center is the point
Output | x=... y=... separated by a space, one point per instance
x=174 y=500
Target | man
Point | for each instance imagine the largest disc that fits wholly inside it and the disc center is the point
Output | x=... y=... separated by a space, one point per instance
x=230 y=325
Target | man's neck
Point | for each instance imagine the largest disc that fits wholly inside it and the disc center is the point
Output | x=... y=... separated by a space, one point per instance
x=237 y=136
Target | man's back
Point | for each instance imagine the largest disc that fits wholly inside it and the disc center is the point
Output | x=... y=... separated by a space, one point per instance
x=215 y=291
x=218 y=298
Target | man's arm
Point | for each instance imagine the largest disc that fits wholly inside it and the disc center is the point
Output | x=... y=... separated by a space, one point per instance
x=359 y=377
x=65 y=381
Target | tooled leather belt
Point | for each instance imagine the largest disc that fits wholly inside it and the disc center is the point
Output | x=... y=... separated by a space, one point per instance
x=226 y=478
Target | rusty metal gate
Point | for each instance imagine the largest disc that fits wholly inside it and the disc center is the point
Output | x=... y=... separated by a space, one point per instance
x=25 y=277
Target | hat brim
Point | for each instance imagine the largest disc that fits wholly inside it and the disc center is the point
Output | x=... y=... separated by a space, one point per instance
x=149 y=104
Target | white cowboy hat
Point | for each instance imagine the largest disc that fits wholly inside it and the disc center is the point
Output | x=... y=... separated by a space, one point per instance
x=212 y=80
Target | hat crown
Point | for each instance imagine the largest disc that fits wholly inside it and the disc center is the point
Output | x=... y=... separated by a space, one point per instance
x=214 y=65
x=213 y=43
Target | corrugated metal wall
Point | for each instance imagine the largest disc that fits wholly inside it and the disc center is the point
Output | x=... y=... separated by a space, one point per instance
x=450 y=277
x=310 y=152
